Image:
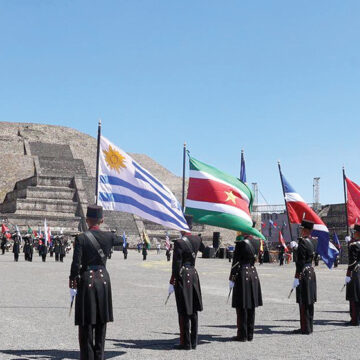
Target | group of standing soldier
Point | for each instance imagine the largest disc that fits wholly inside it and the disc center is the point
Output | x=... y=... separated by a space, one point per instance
x=57 y=246
x=89 y=282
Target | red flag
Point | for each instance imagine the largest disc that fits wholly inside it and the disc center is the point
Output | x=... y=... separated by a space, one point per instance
x=282 y=241
x=353 y=202
x=5 y=230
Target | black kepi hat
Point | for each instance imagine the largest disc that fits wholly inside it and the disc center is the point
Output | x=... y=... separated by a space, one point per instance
x=307 y=224
x=94 y=212
x=357 y=227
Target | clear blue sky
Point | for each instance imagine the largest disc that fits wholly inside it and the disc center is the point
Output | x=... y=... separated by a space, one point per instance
x=278 y=78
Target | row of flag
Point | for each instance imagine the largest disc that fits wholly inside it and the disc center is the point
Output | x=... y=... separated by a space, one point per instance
x=44 y=235
x=213 y=198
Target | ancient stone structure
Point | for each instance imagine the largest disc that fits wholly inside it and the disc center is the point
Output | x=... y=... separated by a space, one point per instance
x=49 y=172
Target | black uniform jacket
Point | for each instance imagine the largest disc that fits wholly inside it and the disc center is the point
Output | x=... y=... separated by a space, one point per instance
x=353 y=287
x=16 y=245
x=306 y=291
x=93 y=300
x=247 y=289
x=28 y=246
x=185 y=276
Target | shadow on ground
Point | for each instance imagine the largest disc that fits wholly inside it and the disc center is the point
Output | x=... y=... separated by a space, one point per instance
x=53 y=354
x=163 y=344
x=260 y=329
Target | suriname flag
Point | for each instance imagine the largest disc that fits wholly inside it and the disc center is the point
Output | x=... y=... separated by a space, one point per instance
x=218 y=199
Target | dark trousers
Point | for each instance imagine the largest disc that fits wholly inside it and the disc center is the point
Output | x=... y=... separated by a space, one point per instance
x=16 y=256
x=306 y=318
x=245 y=323
x=56 y=257
x=281 y=261
x=144 y=257
x=189 y=330
x=43 y=258
x=92 y=347
x=62 y=258
x=354 y=312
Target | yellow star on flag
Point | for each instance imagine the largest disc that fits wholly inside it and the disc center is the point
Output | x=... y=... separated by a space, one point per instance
x=114 y=159
x=230 y=197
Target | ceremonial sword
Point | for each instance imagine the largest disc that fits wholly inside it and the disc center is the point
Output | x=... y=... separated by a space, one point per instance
x=227 y=301
x=291 y=291
x=167 y=299
x=71 y=304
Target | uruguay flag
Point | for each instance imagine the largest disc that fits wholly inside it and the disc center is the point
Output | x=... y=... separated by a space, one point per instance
x=297 y=208
x=124 y=185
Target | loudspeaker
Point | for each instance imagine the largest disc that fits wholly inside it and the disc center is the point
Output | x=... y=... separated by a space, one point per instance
x=209 y=253
x=216 y=239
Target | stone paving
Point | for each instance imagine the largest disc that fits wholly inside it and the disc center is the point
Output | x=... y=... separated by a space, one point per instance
x=35 y=322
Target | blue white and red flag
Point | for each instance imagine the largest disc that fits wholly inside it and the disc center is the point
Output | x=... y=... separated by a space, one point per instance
x=298 y=209
x=336 y=241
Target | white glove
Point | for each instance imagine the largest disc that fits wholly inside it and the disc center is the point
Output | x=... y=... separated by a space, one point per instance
x=171 y=289
x=231 y=284
x=296 y=283
x=73 y=293
x=347 y=279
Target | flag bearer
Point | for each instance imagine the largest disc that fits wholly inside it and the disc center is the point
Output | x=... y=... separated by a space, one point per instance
x=305 y=278
x=186 y=284
x=352 y=278
x=89 y=281
x=245 y=283
x=16 y=246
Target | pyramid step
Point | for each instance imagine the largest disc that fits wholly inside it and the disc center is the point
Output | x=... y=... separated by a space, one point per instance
x=56 y=205
x=57 y=181
x=45 y=213
x=23 y=184
x=50 y=192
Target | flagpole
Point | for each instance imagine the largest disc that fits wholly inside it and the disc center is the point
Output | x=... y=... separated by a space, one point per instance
x=183 y=179
x=283 y=189
x=345 y=204
x=241 y=161
x=97 y=163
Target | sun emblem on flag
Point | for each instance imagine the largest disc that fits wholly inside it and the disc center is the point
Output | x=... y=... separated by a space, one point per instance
x=114 y=159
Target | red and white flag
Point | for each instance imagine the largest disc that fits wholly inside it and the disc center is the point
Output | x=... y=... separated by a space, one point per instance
x=353 y=202
x=282 y=241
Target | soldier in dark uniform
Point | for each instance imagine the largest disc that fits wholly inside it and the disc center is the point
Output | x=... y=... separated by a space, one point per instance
x=16 y=246
x=186 y=284
x=90 y=282
x=246 y=287
x=352 y=279
x=281 y=255
x=305 y=278
x=125 y=250
x=3 y=244
x=168 y=253
x=28 y=247
x=62 y=248
x=51 y=246
x=43 y=250
x=57 y=247
x=144 y=251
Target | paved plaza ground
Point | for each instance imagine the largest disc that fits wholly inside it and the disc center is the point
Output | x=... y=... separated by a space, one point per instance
x=35 y=322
